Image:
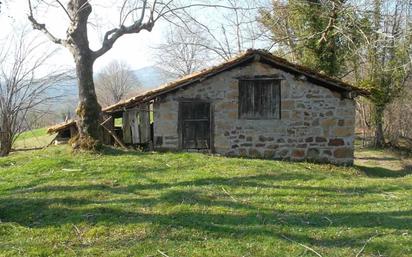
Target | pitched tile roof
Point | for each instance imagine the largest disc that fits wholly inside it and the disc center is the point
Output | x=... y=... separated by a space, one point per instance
x=249 y=55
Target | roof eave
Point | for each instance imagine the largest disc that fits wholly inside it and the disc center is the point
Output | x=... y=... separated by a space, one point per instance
x=201 y=77
x=254 y=55
x=336 y=86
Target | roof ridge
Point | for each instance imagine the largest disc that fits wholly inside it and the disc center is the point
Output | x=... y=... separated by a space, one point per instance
x=227 y=64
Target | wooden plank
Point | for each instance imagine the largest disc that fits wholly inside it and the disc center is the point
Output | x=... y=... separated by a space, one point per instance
x=180 y=126
x=246 y=99
x=127 y=133
x=259 y=90
x=144 y=124
x=212 y=128
x=259 y=99
x=115 y=137
x=276 y=99
x=108 y=123
x=195 y=125
x=134 y=126
x=112 y=133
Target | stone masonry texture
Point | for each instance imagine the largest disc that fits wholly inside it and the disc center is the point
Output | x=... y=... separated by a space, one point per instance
x=316 y=123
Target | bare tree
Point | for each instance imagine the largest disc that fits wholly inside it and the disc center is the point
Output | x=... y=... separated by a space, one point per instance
x=134 y=16
x=230 y=31
x=66 y=111
x=182 y=53
x=115 y=82
x=22 y=89
x=200 y=42
x=387 y=54
x=398 y=120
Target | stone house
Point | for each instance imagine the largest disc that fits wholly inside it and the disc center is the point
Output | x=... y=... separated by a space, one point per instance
x=254 y=105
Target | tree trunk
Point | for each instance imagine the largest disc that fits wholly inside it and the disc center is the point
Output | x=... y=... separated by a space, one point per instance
x=6 y=137
x=5 y=144
x=88 y=109
x=77 y=42
x=379 y=141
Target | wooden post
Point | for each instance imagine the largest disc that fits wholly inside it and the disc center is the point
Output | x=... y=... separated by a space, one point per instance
x=127 y=135
x=134 y=126
x=144 y=122
x=112 y=133
x=109 y=124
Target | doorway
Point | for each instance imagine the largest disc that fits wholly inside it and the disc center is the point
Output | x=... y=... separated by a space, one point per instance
x=195 y=126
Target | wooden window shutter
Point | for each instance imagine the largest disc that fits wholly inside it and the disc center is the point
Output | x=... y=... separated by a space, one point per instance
x=259 y=99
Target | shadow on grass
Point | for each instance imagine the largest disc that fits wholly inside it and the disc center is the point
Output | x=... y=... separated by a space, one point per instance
x=264 y=181
x=378 y=158
x=229 y=224
x=193 y=193
x=210 y=210
x=381 y=172
x=113 y=151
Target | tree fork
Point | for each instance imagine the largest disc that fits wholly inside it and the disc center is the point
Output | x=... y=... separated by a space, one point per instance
x=78 y=12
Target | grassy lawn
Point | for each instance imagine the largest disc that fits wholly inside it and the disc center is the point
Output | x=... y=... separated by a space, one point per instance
x=33 y=138
x=54 y=203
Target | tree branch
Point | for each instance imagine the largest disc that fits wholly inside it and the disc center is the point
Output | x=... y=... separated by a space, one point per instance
x=42 y=27
x=65 y=10
x=113 y=35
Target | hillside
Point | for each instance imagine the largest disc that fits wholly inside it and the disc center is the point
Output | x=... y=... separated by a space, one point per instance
x=55 y=203
x=149 y=77
x=33 y=139
x=152 y=77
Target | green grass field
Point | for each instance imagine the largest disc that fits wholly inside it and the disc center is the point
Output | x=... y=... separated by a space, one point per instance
x=33 y=138
x=55 y=203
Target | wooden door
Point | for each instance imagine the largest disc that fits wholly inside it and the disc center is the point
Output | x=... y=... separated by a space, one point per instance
x=195 y=125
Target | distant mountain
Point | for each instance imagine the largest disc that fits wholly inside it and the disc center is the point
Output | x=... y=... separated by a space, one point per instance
x=149 y=77
x=67 y=88
x=152 y=76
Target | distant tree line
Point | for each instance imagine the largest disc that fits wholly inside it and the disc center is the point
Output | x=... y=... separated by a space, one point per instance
x=115 y=82
x=368 y=43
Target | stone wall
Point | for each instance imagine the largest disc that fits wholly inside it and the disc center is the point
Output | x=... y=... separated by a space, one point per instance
x=315 y=124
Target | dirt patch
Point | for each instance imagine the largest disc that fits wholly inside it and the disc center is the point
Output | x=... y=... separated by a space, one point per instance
x=382 y=163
